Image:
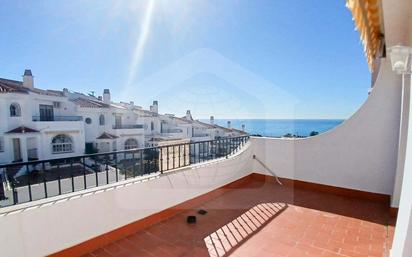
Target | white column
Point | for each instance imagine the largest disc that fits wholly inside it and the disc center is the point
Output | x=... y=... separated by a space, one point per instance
x=402 y=244
x=403 y=137
x=23 y=148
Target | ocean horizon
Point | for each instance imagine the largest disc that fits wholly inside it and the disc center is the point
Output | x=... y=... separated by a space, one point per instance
x=280 y=127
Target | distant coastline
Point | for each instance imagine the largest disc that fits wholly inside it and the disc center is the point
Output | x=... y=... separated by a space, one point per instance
x=281 y=127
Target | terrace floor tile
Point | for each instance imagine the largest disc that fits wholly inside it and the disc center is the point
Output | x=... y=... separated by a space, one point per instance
x=266 y=219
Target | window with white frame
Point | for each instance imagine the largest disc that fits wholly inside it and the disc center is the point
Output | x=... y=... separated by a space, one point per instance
x=62 y=144
x=101 y=120
x=130 y=143
x=15 y=110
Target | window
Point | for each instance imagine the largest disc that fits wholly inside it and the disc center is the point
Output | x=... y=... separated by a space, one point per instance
x=152 y=126
x=62 y=144
x=46 y=112
x=15 y=110
x=118 y=121
x=1 y=144
x=88 y=121
x=101 y=120
x=130 y=143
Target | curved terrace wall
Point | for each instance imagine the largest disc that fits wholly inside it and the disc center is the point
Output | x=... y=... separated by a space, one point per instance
x=361 y=153
x=42 y=228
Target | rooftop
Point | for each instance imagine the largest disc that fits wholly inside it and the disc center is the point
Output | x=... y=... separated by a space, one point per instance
x=262 y=218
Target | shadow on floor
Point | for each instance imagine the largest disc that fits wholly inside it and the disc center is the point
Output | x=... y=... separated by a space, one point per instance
x=224 y=240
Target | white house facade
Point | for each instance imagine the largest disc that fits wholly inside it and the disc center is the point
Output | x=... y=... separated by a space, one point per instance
x=48 y=124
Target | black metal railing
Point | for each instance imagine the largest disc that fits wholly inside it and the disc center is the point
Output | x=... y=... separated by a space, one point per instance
x=35 y=180
x=132 y=126
x=57 y=118
x=173 y=130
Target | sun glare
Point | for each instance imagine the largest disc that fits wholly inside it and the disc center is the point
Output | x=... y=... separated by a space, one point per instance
x=141 y=41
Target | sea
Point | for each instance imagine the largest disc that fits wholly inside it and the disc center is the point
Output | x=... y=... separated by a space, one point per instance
x=281 y=127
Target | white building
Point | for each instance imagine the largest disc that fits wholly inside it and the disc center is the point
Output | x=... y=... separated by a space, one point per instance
x=37 y=124
x=49 y=124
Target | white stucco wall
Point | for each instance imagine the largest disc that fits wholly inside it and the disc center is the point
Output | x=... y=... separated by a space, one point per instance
x=50 y=228
x=399 y=31
x=402 y=244
x=360 y=154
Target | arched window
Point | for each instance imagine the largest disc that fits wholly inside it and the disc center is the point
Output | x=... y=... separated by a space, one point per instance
x=15 y=110
x=101 y=120
x=152 y=126
x=62 y=144
x=130 y=143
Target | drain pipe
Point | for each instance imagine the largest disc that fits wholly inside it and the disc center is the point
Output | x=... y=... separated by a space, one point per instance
x=268 y=169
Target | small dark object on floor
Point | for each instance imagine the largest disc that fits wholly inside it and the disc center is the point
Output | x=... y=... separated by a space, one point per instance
x=202 y=212
x=191 y=219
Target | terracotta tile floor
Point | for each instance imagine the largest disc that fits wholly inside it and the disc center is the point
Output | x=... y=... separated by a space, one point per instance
x=265 y=219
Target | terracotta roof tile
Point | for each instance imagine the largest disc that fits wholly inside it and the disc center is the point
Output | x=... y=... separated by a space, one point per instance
x=88 y=103
x=106 y=135
x=12 y=86
x=22 y=130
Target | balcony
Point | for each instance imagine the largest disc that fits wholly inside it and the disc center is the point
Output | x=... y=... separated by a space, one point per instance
x=56 y=118
x=129 y=126
x=201 y=135
x=198 y=137
x=42 y=179
x=174 y=130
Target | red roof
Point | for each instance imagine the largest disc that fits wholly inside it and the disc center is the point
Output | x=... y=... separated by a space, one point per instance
x=106 y=135
x=14 y=86
x=88 y=103
x=22 y=130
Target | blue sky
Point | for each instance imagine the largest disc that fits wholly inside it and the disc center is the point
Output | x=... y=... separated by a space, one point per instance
x=268 y=59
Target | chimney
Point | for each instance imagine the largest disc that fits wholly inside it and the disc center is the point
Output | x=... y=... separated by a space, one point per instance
x=212 y=120
x=65 y=92
x=154 y=107
x=243 y=127
x=28 y=81
x=100 y=98
x=228 y=124
x=106 y=96
x=188 y=115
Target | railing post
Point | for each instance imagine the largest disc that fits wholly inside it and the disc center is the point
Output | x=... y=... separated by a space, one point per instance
x=173 y=147
x=141 y=162
x=44 y=180
x=116 y=168
x=28 y=182
x=107 y=170
x=84 y=173
x=161 y=159
x=59 y=179
x=167 y=155
x=15 y=193
x=179 y=156
x=96 y=168
x=125 y=162
x=184 y=154
x=71 y=173
x=134 y=164
x=227 y=148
